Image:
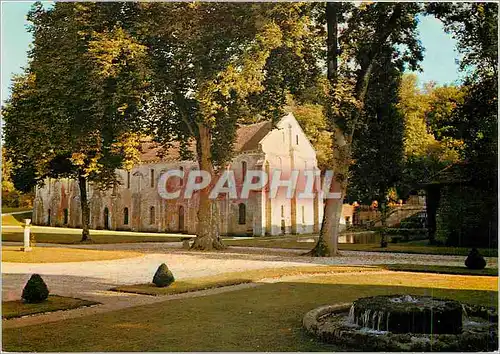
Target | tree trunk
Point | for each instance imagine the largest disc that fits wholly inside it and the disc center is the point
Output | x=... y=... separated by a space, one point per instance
x=207 y=235
x=82 y=183
x=342 y=140
x=327 y=245
x=384 y=211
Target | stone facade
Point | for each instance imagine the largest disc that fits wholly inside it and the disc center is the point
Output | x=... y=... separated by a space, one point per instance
x=136 y=205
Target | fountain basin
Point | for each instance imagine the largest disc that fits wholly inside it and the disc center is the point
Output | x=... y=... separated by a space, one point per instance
x=334 y=324
x=408 y=314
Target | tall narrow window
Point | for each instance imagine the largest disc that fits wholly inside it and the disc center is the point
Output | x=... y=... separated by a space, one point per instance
x=49 y=212
x=182 y=178
x=296 y=140
x=128 y=179
x=152 y=216
x=243 y=170
x=282 y=211
x=303 y=215
x=152 y=178
x=125 y=216
x=242 y=211
x=66 y=214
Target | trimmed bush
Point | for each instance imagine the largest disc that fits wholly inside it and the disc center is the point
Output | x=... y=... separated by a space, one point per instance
x=163 y=276
x=474 y=260
x=35 y=290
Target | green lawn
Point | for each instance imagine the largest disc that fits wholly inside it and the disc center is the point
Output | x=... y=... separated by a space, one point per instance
x=265 y=318
x=420 y=247
x=18 y=308
x=16 y=219
x=74 y=238
x=442 y=269
x=234 y=278
x=59 y=254
x=14 y=210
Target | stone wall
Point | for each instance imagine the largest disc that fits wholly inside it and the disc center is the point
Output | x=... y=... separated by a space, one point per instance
x=136 y=205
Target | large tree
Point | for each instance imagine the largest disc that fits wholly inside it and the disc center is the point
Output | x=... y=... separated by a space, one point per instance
x=378 y=143
x=74 y=112
x=473 y=211
x=217 y=64
x=356 y=36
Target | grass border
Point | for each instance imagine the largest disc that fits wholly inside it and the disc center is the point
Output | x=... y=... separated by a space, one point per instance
x=441 y=269
x=237 y=278
x=80 y=303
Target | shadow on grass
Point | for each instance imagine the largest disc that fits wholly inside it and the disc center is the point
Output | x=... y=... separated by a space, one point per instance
x=266 y=318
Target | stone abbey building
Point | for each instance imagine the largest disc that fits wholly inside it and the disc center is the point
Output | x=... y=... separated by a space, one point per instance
x=136 y=205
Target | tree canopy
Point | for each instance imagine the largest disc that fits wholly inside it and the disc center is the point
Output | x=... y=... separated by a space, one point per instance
x=74 y=112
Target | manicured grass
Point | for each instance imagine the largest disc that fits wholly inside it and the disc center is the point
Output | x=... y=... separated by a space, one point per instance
x=178 y=287
x=18 y=308
x=226 y=279
x=264 y=318
x=73 y=238
x=442 y=269
x=14 y=210
x=16 y=219
x=419 y=247
x=56 y=255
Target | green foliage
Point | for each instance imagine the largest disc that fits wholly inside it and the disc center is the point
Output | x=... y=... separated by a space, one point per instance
x=407 y=233
x=467 y=216
x=80 y=95
x=429 y=145
x=75 y=111
x=12 y=196
x=220 y=64
x=35 y=290
x=378 y=142
x=163 y=276
x=312 y=119
x=442 y=102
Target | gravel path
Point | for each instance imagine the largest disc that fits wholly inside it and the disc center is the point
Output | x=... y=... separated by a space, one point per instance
x=92 y=280
x=89 y=279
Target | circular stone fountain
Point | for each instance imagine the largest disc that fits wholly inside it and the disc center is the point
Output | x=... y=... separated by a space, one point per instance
x=405 y=323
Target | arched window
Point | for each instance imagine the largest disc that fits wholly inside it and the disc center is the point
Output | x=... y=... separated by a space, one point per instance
x=303 y=215
x=66 y=214
x=152 y=216
x=296 y=140
x=243 y=170
x=49 y=212
x=128 y=179
x=242 y=212
x=125 y=216
x=152 y=178
x=182 y=178
x=282 y=211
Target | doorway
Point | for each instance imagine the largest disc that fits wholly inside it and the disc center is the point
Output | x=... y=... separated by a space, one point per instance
x=106 y=218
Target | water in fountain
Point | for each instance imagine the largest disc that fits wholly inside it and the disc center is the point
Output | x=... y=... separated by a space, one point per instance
x=410 y=314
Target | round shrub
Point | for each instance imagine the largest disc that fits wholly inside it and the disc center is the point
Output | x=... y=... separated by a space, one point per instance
x=163 y=276
x=35 y=290
x=474 y=260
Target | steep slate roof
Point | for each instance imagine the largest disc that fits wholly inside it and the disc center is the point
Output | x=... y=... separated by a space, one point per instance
x=247 y=138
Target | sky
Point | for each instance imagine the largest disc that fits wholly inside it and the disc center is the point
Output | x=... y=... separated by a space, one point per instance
x=439 y=64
